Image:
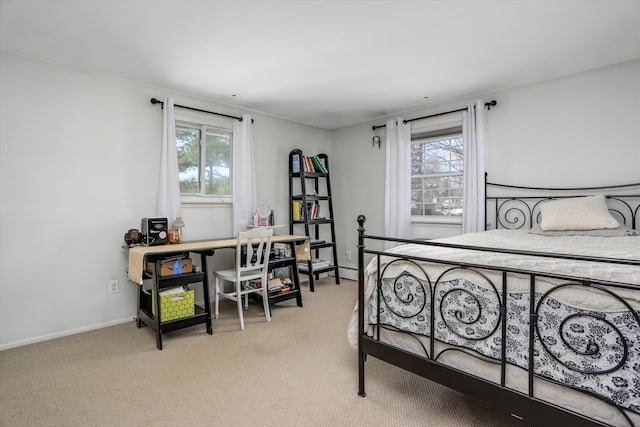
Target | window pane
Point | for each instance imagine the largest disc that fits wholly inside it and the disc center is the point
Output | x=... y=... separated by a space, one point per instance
x=437 y=196
x=437 y=157
x=218 y=163
x=436 y=177
x=188 y=143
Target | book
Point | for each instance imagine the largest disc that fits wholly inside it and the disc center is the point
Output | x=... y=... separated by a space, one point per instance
x=295 y=163
x=317 y=165
x=312 y=210
x=296 y=211
x=308 y=165
x=274 y=285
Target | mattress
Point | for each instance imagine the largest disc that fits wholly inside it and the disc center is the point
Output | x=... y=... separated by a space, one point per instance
x=592 y=320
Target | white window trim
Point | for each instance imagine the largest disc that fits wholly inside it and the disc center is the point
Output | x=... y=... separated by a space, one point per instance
x=435 y=219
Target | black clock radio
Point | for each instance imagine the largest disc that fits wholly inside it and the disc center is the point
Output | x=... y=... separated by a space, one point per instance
x=155 y=231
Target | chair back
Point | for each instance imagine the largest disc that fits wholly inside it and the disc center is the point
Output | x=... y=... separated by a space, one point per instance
x=257 y=245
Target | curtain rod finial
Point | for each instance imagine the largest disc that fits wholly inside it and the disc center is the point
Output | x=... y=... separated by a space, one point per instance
x=490 y=104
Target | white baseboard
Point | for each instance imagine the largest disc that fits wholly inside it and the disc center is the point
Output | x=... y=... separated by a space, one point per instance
x=345 y=272
x=349 y=273
x=64 y=333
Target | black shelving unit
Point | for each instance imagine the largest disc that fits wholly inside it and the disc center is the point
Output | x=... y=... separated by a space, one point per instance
x=309 y=187
x=294 y=291
x=284 y=262
x=146 y=301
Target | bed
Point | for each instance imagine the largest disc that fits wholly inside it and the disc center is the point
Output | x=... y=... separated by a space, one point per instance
x=539 y=315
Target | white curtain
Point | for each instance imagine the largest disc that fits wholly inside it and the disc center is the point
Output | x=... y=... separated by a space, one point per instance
x=243 y=179
x=474 y=134
x=397 y=188
x=169 y=186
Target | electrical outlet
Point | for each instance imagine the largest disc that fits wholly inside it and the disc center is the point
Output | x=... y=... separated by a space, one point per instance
x=114 y=286
x=348 y=255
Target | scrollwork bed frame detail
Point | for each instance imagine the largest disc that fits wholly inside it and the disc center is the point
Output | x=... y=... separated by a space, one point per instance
x=567 y=342
x=515 y=212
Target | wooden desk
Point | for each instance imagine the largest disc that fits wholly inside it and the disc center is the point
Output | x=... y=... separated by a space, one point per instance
x=140 y=255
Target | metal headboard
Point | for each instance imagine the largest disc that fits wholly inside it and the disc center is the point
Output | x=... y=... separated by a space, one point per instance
x=517 y=207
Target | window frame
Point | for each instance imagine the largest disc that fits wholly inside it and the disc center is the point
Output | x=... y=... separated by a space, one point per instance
x=444 y=130
x=202 y=121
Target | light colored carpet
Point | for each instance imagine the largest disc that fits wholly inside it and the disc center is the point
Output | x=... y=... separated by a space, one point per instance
x=297 y=370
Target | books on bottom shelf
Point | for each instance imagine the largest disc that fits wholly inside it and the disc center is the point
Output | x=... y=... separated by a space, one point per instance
x=276 y=286
x=317 y=264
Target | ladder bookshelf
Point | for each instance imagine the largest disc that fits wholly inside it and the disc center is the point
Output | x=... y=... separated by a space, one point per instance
x=311 y=208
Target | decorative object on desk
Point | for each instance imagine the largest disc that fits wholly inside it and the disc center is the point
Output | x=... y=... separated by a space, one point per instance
x=174 y=236
x=261 y=218
x=178 y=225
x=155 y=231
x=133 y=237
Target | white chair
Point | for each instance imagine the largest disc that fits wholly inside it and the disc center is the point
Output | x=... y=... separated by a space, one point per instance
x=251 y=264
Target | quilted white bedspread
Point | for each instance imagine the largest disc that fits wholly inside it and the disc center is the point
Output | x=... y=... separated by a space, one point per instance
x=627 y=247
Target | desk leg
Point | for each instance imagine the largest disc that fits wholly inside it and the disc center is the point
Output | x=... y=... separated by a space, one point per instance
x=205 y=290
x=156 y=296
x=138 y=320
x=296 y=277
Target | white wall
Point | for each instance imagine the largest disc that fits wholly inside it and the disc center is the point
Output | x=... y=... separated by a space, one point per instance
x=579 y=130
x=79 y=156
x=583 y=130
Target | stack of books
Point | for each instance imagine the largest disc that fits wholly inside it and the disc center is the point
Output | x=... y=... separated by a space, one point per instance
x=312 y=164
x=312 y=211
x=277 y=286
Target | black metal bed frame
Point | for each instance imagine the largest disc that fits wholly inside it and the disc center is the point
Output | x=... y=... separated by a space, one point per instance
x=506 y=211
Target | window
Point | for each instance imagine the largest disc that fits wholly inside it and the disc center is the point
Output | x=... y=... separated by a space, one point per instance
x=204 y=161
x=436 y=173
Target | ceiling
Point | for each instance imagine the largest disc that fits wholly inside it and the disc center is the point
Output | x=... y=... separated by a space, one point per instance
x=326 y=63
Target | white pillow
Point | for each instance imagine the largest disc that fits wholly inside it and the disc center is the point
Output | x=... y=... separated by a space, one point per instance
x=578 y=213
x=621 y=231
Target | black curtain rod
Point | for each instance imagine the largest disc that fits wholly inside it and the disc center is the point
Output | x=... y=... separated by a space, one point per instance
x=489 y=104
x=157 y=101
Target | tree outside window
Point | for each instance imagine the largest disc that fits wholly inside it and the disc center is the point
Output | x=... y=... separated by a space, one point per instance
x=204 y=160
x=436 y=176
